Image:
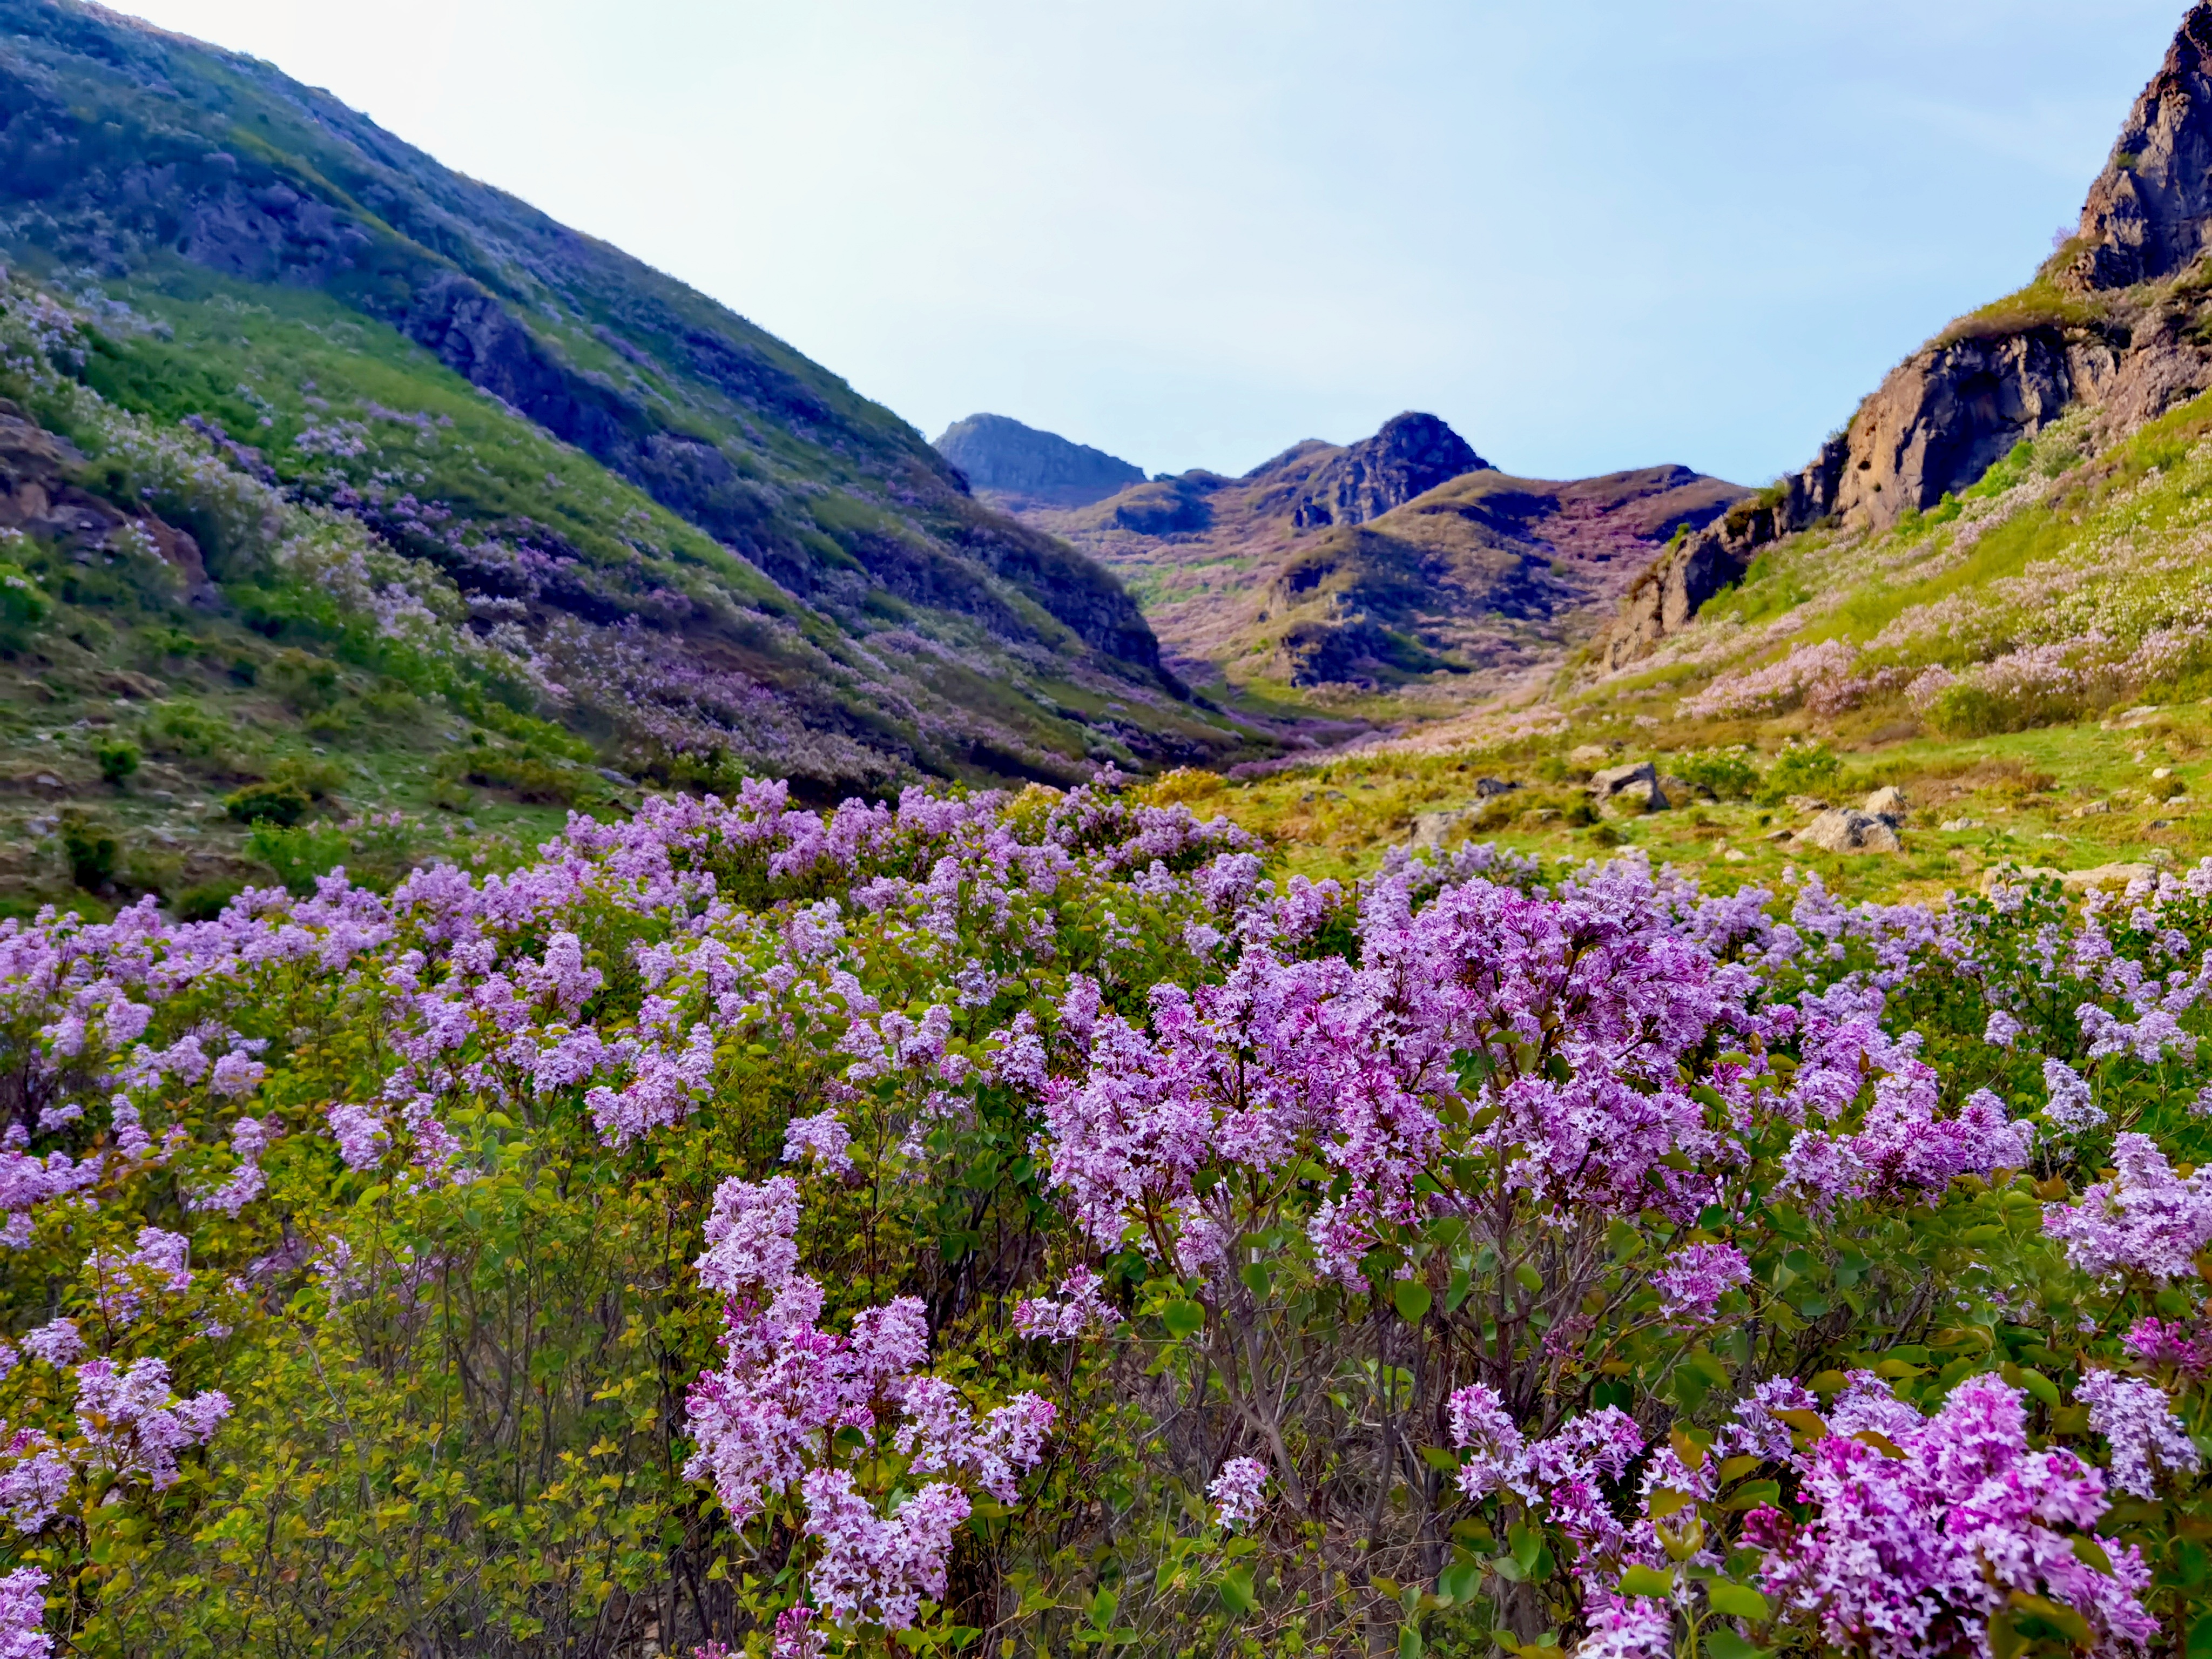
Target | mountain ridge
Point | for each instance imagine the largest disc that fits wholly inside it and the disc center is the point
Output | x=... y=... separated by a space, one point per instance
x=1401 y=557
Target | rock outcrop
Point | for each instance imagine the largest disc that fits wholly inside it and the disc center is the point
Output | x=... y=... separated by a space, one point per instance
x=1945 y=415
x=1410 y=456
x=2150 y=213
x=1843 y=830
x=998 y=454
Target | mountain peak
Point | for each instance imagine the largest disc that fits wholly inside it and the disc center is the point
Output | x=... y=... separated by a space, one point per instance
x=1411 y=455
x=997 y=453
x=2148 y=214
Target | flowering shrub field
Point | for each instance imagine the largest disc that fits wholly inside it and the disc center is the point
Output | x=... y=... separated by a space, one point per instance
x=1021 y=1224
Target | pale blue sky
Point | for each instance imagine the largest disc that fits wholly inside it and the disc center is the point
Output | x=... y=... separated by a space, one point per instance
x=1590 y=234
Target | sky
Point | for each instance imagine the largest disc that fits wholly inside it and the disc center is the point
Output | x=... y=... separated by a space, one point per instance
x=1592 y=234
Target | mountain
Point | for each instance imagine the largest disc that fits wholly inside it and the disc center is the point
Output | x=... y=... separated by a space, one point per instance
x=1403 y=558
x=2115 y=331
x=1003 y=458
x=717 y=554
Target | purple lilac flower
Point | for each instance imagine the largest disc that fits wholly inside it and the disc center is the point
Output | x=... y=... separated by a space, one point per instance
x=2145 y=1435
x=22 y=1614
x=1695 y=1278
x=2069 y=1106
x=1238 y=1492
x=822 y=1138
x=2146 y=1219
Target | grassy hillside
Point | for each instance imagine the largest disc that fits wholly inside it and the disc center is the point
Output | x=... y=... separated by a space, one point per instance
x=750 y=563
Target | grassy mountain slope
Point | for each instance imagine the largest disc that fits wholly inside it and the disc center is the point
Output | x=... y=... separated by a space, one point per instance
x=733 y=559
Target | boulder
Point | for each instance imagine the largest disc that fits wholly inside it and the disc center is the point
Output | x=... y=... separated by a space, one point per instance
x=1430 y=829
x=1845 y=831
x=1485 y=789
x=1589 y=754
x=1888 y=802
x=1633 y=788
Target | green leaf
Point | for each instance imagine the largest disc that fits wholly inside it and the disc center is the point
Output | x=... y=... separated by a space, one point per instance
x=1647 y=1581
x=1721 y=1642
x=1753 y=1493
x=1103 y=1606
x=1236 y=1592
x=1409 y=1643
x=1527 y=1543
x=2200 y=1638
x=1457 y=1290
x=1738 y=1602
x=1460 y=1581
x=1441 y=1458
x=1412 y=1300
x=1529 y=1279
x=2091 y=1554
x=1183 y=1319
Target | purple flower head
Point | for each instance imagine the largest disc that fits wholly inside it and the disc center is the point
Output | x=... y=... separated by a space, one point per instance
x=23 y=1615
x=2145 y=1435
x=822 y=1138
x=1238 y=1492
x=2146 y=1219
x=1695 y=1278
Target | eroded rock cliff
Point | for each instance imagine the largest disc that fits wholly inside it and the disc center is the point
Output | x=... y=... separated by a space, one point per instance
x=2115 y=324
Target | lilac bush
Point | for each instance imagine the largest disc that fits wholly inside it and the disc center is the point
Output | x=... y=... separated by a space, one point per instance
x=1022 y=1218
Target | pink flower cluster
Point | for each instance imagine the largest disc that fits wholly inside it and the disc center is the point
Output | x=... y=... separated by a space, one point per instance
x=1921 y=1529
x=762 y=1422
x=2146 y=1219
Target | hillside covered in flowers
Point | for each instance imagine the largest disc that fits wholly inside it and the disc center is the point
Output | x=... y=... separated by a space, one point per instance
x=1025 y=1224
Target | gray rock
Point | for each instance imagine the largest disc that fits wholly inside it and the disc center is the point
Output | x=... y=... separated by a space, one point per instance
x=1487 y=788
x=1806 y=804
x=1589 y=754
x=1430 y=829
x=1631 y=788
x=1410 y=456
x=1845 y=831
x=1888 y=802
x=997 y=453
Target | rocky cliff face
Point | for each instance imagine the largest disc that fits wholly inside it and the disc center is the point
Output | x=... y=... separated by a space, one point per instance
x=1000 y=455
x=2117 y=324
x=1410 y=456
x=2148 y=215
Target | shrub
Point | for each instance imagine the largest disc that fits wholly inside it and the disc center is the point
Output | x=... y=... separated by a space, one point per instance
x=1801 y=769
x=271 y=801
x=91 y=848
x=118 y=758
x=307 y=684
x=23 y=604
x=1730 y=774
x=298 y=853
x=205 y=902
x=184 y=730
